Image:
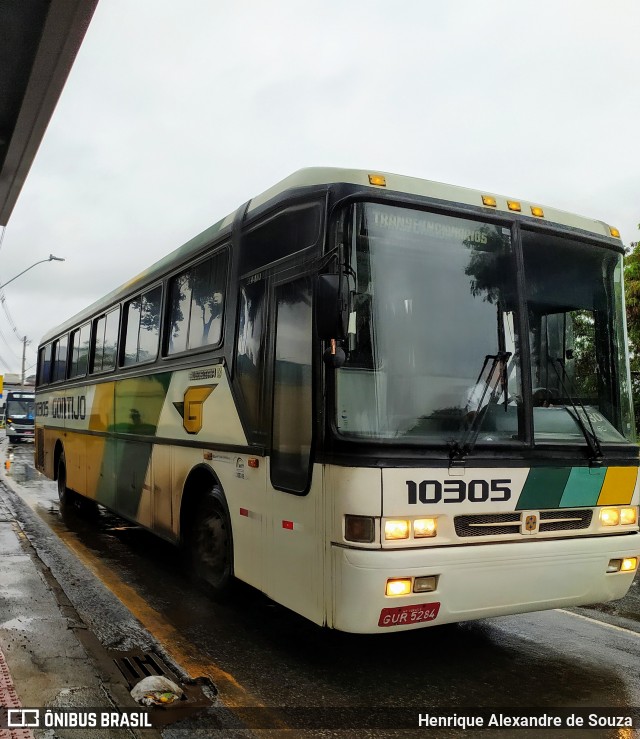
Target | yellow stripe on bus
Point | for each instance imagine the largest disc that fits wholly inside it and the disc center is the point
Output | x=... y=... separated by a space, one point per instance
x=618 y=487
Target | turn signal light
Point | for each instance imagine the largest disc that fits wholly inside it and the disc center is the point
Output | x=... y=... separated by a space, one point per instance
x=629 y=564
x=359 y=528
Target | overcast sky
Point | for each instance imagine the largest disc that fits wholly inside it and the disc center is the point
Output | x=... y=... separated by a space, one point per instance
x=176 y=113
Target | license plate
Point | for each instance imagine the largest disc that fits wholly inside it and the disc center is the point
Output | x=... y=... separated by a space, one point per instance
x=406 y=615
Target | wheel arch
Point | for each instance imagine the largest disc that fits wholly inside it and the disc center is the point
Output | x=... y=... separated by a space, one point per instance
x=199 y=480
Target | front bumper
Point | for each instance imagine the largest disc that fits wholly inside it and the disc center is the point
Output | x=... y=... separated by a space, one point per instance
x=479 y=581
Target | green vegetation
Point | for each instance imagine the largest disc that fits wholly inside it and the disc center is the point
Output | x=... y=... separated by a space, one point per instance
x=632 y=297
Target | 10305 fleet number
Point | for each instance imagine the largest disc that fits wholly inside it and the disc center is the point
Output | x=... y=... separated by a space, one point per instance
x=457 y=491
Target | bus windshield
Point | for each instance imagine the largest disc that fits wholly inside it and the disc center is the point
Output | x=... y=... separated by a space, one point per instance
x=23 y=409
x=433 y=345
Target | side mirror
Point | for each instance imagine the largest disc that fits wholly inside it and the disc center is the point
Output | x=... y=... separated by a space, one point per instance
x=332 y=306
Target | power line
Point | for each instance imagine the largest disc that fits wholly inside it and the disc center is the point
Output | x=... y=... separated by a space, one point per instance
x=4 y=338
x=20 y=336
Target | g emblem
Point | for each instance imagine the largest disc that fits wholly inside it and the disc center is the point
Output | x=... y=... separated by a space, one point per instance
x=191 y=408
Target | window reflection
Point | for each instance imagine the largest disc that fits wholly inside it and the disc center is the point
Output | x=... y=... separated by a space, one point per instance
x=433 y=298
x=197 y=302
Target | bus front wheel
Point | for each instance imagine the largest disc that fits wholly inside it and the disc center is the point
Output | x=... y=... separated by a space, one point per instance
x=211 y=543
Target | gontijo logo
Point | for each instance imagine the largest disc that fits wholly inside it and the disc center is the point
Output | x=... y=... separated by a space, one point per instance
x=191 y=408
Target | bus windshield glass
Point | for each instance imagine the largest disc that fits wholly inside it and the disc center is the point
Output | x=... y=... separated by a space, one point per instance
x=576 y=335
x=432 y=335
x=23 y=409
x=433 y=345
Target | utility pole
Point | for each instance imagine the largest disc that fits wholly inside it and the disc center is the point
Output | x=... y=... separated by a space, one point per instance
x=24 y=359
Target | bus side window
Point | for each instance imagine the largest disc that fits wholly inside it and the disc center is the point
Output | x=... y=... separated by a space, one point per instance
x=143 y=327
x=111 y=340
x=44 y=365
x=59 y=359
x=292 y=388
x=196 y=299
x=251 y=349
x=98 y=343
x=105 y=340
x=79 y=351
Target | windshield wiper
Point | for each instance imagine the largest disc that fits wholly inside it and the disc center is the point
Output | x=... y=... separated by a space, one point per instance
x=494 y=384
x=590 y=436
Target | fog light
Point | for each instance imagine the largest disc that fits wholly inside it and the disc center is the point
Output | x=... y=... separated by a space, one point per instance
x=359 y=528
x=398 y=586
x=609 y=516
x=629 y=564
x=425 y=584
x=628 y=515
x=614 y=565
x=423 y=527
x=396 y=529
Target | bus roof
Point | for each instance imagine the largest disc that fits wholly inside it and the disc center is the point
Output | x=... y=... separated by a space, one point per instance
x=325 y=176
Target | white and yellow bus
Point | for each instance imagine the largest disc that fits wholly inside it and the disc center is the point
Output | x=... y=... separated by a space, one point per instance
x=385 y=402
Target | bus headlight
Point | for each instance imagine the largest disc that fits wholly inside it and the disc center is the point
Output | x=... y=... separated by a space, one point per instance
x=423 y=527
x=609 y=516
x=396 y=529
x=628 y=516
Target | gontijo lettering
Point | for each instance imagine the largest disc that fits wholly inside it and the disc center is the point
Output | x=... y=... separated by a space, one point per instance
x=70 y=407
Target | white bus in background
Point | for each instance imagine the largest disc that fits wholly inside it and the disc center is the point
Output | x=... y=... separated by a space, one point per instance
x=385 y=402
x=20 y=415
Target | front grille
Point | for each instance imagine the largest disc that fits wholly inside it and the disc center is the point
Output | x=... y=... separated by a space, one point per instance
x=565 y=520
x=505 y=524
x=487 y=524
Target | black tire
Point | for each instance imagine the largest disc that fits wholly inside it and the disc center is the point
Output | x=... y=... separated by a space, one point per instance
x=211 y=544
x=65 y=496
x=69 y=499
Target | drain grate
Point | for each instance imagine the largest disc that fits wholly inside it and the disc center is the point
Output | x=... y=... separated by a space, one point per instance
x=136 y=665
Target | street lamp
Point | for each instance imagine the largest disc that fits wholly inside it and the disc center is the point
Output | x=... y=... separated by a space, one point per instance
x=51 y=258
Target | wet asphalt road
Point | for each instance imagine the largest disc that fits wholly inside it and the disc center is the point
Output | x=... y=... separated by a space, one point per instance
x=271 y=657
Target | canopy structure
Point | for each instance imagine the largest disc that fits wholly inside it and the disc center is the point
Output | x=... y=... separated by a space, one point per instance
x=40 y=40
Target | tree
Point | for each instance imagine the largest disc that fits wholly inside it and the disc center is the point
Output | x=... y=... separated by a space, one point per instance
x=632 y=298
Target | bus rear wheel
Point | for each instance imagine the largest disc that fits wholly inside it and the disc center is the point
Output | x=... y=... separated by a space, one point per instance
x=211 y=545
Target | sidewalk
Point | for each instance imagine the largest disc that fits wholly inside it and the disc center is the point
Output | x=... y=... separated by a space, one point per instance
x=44 y=660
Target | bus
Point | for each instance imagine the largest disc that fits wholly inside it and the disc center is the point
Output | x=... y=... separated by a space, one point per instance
x=386 y=403
x=20 y=415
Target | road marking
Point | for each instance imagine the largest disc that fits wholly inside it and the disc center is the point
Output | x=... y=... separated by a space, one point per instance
x=231 y=693
x=628 y=632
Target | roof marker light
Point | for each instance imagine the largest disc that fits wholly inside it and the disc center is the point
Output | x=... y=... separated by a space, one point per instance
x=489 y=200
x=537 y=211
x=514 y=205
x=378 y=179
x=614 y=232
